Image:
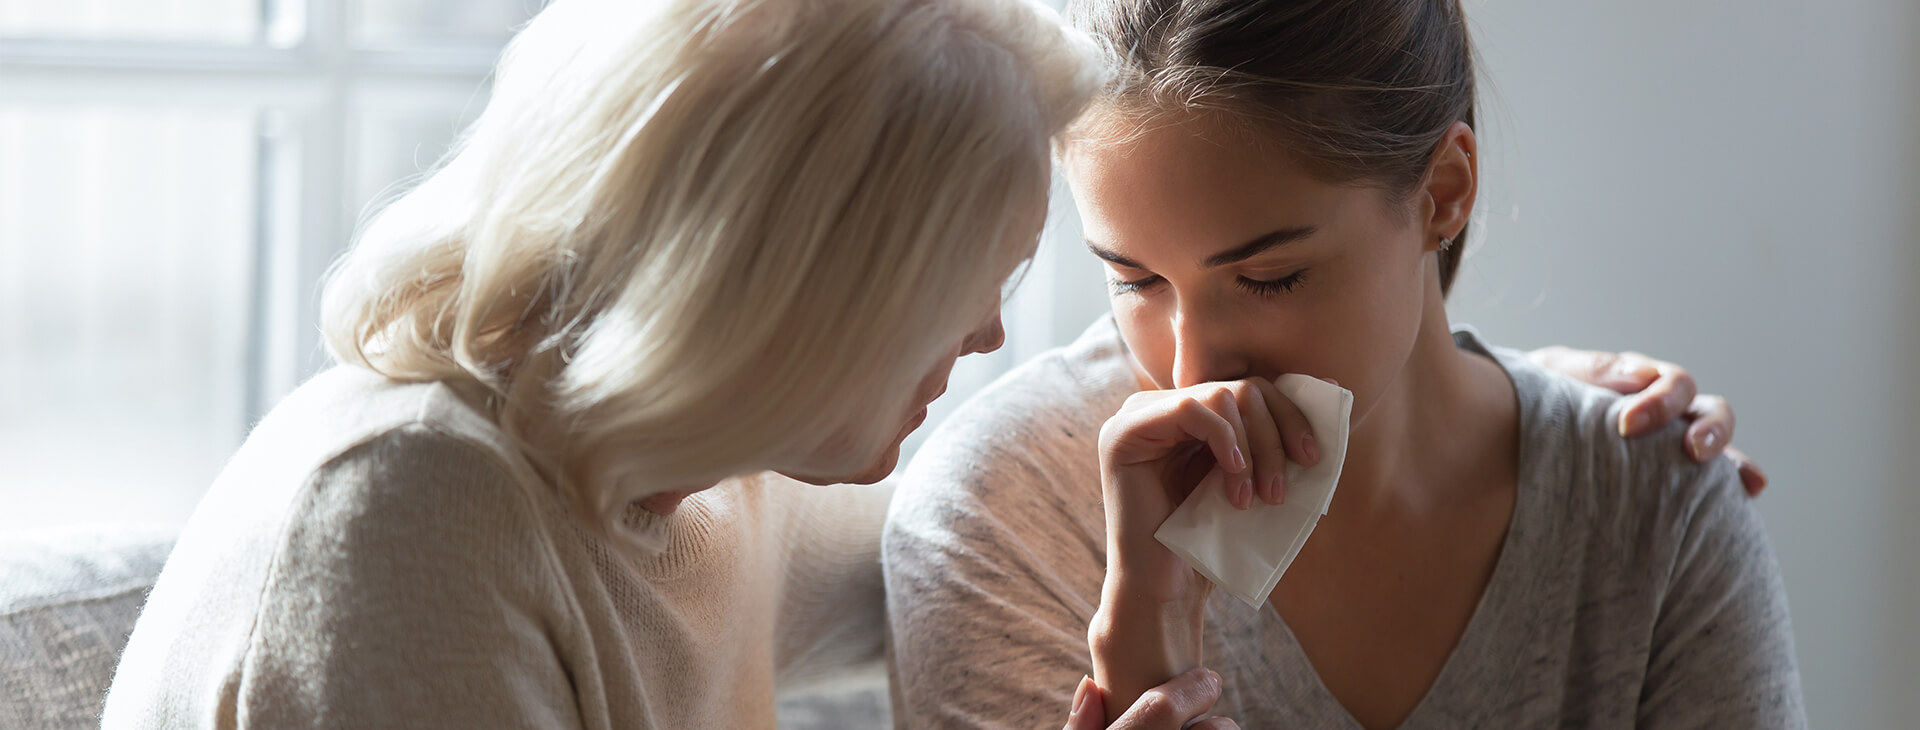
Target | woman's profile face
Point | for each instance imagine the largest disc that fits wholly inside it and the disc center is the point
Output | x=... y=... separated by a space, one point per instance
x=1228 y=260
x=986 y=335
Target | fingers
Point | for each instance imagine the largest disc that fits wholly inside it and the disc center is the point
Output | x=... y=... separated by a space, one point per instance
x=1173 y=704
x=1205 y=424
x=1293 y=430
x=1272 y=432
x=1612 y=371
x=1663 y=400
x=1215 y=723
x=1156 y=428
x=1264 y=435
x=1239 y=482
x=1249 y=427
x=1712 y=428
x=1089 y=711
x=1751 y=476
x=1662 y=390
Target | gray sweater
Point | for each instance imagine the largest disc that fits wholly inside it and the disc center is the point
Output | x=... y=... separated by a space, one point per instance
x=1634 y=587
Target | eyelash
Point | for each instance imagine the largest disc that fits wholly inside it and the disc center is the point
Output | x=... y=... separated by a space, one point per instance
x=1265 y=288
x=1275 y=287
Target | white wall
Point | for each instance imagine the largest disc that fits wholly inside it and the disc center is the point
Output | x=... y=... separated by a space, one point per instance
x=1733 y=185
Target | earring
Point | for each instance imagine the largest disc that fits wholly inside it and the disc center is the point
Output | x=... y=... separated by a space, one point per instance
x=1446 y=243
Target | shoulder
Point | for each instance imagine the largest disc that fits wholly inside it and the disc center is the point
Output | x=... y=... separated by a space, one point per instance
x=351 y=444
x=355 y=474
x=411 y=478
x=1642 y=492
x=1664 y=561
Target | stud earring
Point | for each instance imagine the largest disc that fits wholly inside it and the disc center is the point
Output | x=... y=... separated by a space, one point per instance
x=1446 y=243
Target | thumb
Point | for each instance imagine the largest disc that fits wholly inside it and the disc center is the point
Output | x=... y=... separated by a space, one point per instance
x=1089 y=710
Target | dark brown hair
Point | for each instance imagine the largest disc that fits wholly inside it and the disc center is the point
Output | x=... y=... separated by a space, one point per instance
x=1360 y=90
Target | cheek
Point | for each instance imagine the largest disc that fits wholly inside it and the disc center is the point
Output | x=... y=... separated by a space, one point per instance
x=1148 y=334
x=1378 y=325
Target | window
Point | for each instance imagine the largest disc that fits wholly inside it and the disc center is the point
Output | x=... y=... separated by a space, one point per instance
x=174 y=179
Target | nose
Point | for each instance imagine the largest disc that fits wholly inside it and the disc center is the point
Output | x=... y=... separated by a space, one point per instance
x=989 y=337
x=1200 y=353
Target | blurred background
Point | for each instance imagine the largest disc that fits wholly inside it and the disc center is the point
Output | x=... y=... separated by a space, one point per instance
x=1731 y=185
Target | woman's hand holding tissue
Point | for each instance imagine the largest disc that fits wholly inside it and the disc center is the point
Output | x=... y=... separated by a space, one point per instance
x=1152 y=455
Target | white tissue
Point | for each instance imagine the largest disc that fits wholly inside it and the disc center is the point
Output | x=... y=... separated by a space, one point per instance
x=1246 y=551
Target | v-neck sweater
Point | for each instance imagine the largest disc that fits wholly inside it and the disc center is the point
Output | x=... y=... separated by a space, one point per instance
x=1634 y=588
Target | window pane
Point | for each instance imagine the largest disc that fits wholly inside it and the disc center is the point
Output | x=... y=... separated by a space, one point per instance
x=395 y=144
x=126 y=267
x=209 y=21
x=397 y=22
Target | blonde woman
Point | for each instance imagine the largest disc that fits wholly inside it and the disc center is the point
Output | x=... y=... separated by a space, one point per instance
x=693 y=253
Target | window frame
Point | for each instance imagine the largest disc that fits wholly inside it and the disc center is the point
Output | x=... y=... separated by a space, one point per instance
x=310 y=94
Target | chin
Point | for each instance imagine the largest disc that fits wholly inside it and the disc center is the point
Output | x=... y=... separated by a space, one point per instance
x=880 y=469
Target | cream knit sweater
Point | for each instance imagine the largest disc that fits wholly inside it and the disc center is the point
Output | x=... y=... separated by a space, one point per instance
x=377 y=555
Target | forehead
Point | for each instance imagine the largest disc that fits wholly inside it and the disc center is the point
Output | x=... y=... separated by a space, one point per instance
x=1179 y=180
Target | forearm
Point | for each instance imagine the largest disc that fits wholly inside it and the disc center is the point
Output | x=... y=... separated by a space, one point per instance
x=1139 y=641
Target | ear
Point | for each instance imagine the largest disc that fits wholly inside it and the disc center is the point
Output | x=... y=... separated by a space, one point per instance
x=1452 y=183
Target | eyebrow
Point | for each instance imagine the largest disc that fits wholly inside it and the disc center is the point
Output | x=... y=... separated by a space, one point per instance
x=1233 y=255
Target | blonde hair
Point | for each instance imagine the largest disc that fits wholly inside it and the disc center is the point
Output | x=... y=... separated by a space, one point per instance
x=689 y=239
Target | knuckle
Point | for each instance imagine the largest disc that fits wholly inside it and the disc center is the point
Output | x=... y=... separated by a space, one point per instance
x=1223 y=397
x=1189 y=406
x=1154 y=708
x=1244 y=389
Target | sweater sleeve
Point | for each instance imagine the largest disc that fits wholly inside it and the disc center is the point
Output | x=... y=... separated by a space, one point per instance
x=1722 y=647
x=994 y=556
x=412 y=590
x=831 y=605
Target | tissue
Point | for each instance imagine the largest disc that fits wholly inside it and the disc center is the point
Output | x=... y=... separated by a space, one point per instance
x=1245 y=552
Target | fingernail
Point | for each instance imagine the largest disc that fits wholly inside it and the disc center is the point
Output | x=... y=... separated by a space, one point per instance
x=1080 y=695
x=1280 y=488
x=1270 y=491
x=1309 y=449
x=1331 y=381
x=1634 y=422
x=1704 y=441
x=1243 y=495
x=1239 y=460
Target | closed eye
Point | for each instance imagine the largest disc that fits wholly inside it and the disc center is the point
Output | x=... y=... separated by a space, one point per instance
x=1135 y=286
x=1273 y=287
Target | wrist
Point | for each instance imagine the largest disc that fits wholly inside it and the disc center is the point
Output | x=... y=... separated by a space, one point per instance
x=1138 y=647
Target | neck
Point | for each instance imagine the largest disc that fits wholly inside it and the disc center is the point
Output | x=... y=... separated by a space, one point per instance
x=1428 y=425
x=664 y=503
